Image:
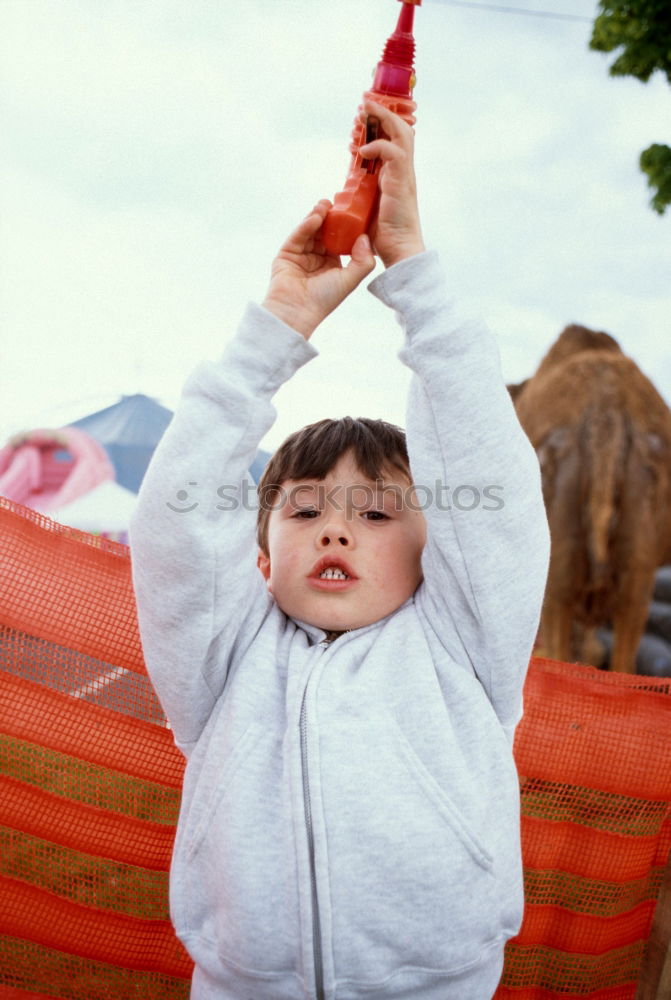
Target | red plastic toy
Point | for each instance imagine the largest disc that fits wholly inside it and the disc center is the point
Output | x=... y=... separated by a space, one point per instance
x=393 y=84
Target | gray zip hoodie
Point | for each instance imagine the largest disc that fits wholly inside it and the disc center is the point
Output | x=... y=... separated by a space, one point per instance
x=350 y=817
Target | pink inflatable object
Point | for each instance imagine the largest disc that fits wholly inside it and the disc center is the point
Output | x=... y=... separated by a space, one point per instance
x=46 y=469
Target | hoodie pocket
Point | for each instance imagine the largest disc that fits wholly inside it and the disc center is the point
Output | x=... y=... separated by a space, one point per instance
x=217 y=786
x=410 y=880
x=238 y=902
x=443 y=804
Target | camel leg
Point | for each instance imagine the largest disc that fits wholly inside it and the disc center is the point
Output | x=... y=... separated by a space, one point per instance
x=592 y=649
x=556 y=631
x=629 y=621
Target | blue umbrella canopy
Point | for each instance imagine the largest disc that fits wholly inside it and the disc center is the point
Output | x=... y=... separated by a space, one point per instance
x=130 y=430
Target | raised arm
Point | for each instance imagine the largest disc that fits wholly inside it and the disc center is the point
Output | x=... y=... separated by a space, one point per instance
x=485 y=561
x=478 y=480
x=197 y=587
x=200 y=597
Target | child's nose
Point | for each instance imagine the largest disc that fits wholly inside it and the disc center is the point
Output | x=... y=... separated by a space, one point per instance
x=336 y=535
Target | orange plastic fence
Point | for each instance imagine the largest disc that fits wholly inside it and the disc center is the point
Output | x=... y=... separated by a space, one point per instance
x=90 y=783
x=594 y=756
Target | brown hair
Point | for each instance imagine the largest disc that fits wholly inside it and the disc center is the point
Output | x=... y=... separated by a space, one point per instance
x=313 y=451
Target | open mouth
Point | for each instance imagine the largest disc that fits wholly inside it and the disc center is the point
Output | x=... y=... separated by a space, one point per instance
x=332 y=571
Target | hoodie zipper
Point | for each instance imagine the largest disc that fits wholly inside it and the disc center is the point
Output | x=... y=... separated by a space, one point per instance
x=316 y=927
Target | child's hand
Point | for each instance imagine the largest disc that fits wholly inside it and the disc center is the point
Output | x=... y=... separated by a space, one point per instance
x=307 y=283
x=396 y=232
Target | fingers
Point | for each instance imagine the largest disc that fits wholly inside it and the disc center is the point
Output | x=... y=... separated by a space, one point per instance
x=383 y=149
x=396 y=230
x=306 y=230
x=395 y=127
x=321 y=208
x=397 y=141
x=361 y=263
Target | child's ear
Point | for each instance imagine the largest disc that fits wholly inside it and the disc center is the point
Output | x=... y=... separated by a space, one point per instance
x=263 y=562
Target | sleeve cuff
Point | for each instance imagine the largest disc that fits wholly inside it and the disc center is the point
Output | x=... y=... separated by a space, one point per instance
x=265 y=352
x=410 y=281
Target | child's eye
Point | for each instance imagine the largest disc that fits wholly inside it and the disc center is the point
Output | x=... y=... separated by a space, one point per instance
x=306 y=514
x=376 y=515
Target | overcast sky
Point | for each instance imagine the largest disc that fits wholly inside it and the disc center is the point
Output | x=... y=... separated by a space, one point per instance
x=156 y=152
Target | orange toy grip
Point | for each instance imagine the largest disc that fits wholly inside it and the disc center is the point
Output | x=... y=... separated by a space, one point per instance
x=354 y=207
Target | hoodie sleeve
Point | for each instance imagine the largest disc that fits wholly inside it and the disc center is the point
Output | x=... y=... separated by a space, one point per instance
x=200 y=597
x=478 y=481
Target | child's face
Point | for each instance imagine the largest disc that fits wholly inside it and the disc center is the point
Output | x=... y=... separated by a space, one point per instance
x=366 y=539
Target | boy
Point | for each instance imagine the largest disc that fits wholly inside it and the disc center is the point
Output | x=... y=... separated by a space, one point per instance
x=350 y=817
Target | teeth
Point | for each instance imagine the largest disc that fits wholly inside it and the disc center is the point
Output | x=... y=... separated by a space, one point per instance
x=333 y=573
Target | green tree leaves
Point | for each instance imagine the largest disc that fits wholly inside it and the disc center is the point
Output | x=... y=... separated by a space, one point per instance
x=656 y=163
x=641 y=31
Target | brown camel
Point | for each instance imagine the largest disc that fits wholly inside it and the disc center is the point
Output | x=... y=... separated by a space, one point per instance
x=602 y=434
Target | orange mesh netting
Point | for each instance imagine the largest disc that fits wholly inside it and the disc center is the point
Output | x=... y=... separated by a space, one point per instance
x=594 y=756
x=89 y=777
x=90 y=783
